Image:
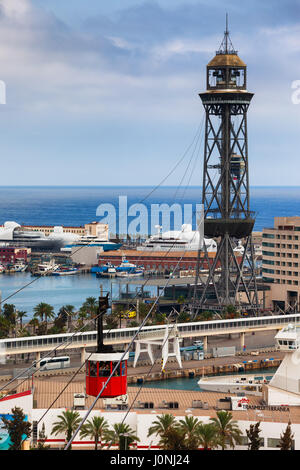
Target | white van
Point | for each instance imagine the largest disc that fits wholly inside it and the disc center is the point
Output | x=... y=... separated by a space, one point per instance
x=49 y=363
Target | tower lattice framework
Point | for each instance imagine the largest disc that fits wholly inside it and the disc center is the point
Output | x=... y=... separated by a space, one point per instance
x=225 y=195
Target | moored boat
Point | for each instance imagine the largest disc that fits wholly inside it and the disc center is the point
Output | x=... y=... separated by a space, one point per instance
x=65 y=271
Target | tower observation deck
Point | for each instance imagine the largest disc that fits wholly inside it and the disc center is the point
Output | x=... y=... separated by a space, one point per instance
x=225 y=190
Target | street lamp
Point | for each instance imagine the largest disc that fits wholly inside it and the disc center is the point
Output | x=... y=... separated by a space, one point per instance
x=123 y=441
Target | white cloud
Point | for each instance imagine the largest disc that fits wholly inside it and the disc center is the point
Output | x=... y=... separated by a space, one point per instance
x=15 y=9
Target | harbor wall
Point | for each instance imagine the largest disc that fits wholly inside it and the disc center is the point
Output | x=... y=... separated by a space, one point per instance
x=207 y=370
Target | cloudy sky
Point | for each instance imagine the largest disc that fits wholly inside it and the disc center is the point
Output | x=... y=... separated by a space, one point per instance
x=106 y=93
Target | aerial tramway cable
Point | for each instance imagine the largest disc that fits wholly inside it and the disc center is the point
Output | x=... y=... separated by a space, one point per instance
x=120 y=360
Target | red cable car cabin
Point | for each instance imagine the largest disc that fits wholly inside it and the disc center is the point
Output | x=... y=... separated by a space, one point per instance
x=98 y=369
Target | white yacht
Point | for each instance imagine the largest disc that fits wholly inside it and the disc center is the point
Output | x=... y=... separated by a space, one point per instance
x=185 y=239
x=250 y=383
x=44 y=269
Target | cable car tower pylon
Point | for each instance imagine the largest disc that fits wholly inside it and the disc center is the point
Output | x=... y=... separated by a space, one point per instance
x=225 y=192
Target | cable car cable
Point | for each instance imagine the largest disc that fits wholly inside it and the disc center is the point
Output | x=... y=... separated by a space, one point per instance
x=143 y=200
x=70 y=339
x=120 y=360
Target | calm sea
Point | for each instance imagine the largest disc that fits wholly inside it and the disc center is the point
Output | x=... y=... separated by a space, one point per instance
x=69 y=205
x=78 y=205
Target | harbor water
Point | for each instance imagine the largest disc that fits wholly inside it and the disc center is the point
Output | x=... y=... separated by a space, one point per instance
x=55 y=290
x=191 y=384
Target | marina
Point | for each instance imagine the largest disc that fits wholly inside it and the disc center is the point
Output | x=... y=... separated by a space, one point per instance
x=161 y=316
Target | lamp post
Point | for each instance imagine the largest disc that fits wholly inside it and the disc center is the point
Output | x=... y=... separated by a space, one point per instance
x=124 y=441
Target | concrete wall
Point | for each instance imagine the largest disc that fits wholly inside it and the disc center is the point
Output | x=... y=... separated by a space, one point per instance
x=87 y=255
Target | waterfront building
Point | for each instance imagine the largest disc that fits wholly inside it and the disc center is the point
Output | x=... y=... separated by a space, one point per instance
x=281 y=263
x=95 y=229
x=34 y=402
x=10 y=255
x=156 y=261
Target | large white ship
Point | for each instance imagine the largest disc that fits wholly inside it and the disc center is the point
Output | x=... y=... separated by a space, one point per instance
x=185 y=239
x=281 y=388
x=12 y=234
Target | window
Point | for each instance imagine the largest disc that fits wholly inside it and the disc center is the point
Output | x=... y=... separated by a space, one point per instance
x=93 y=368
x=244 y=441
x=117 y=371
x=104 y=369
x=273 y=442
x=34 y=431
x=268 y=235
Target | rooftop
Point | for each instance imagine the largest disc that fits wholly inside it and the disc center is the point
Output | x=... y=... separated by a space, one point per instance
x=226 y=60
x=47 y=390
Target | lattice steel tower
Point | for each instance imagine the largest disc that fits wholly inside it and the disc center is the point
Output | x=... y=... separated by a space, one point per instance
x=225 y=196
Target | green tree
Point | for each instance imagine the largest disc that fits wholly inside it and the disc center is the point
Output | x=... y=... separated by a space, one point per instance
x=253 y=436
x=227 y=429
x=174 y=439
x=122 y=435
x=9 y=312
x=206 y=316
x=207 y=435
x=161 y=426
x=45 y=312
x=90 y=306
x=112 y=321
x=17 y=427
x=189 y=425
x=5 y=327
x=96 y=428
x=183 y=317
x=230 y=312
x=287 y=438
x=159 y=318
x=20 y=315
x=69 y=311
x=34 y=323
x=67 y=423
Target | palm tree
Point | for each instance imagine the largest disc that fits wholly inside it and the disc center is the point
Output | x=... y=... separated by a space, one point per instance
x=189 y=426
x=68 y=422
x=44 y=311
x=96 y=428
x=161 y=427
x=174 y=439
x=90 y=306
x=121 y=434
x=207 y=435
x=20 y=315
x=70 y=312
x=34 y=323
x=227 y=429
